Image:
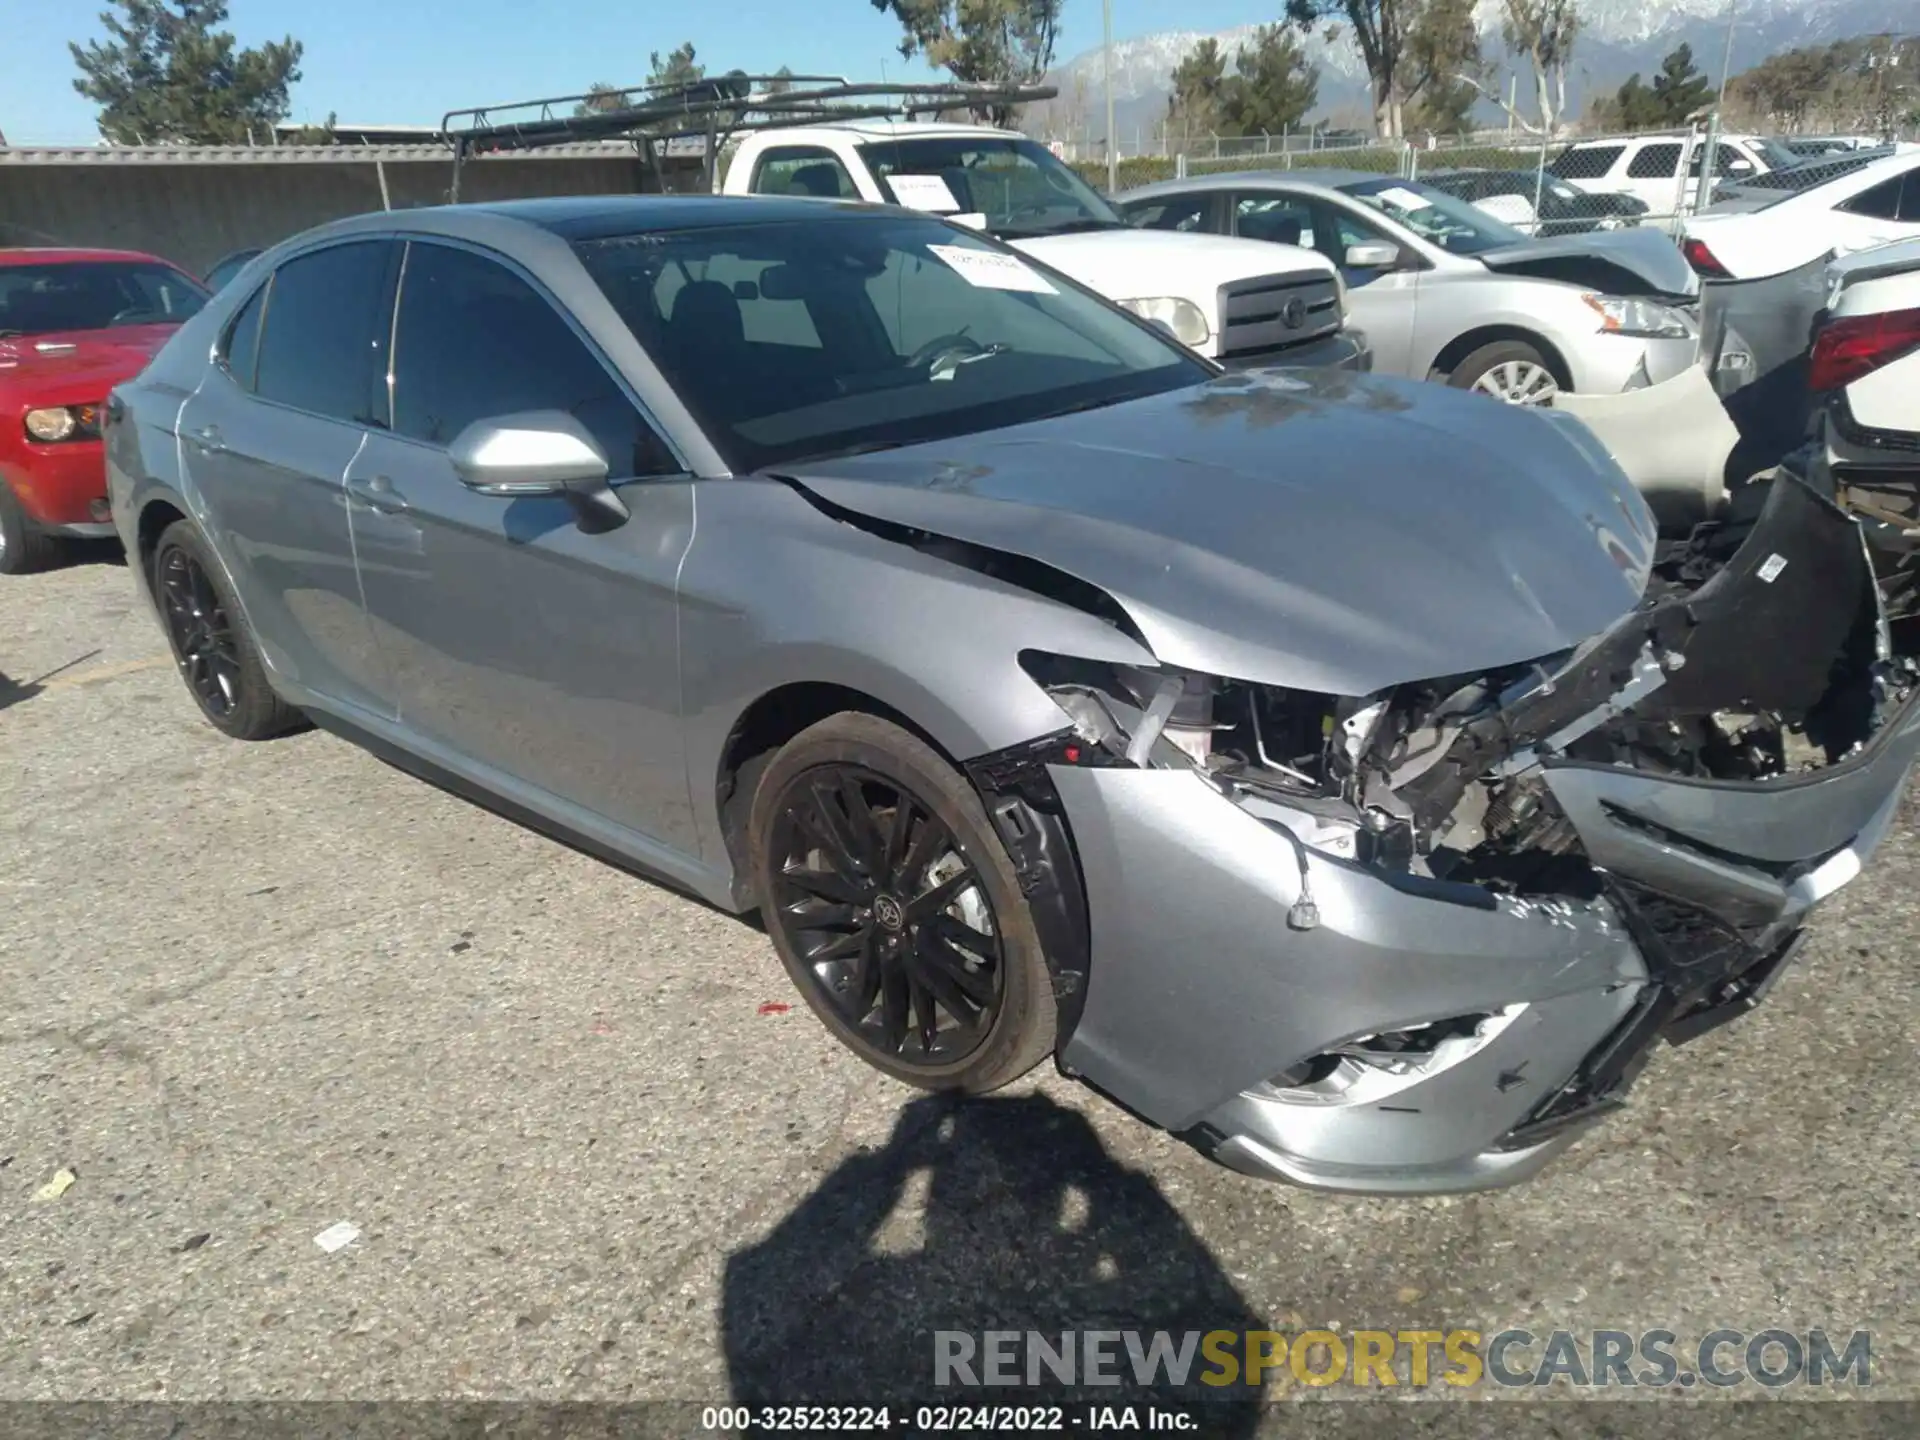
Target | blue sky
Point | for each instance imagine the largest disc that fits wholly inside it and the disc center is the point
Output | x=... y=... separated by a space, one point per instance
x=409 y=61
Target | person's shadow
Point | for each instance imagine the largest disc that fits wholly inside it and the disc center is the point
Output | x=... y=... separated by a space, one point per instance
x=978 y=1215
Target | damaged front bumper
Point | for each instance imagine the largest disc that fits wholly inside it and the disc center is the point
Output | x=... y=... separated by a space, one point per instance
x=1307 y=1003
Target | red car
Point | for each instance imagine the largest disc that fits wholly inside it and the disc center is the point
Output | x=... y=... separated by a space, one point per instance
x=73 y=324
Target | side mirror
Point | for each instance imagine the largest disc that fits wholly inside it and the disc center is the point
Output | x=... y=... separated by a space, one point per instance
x=539 y=452
x=1739 y=167
x=1372 y=255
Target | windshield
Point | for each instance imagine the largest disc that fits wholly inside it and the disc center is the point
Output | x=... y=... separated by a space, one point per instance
x=93 y=295
x=803 y=339
x=1022 y=188
x=1435 y=216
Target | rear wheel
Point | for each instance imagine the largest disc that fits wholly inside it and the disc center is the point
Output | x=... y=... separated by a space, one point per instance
x=1509 y=370
x=895 y=909
x=216 y=653
x=24 y=547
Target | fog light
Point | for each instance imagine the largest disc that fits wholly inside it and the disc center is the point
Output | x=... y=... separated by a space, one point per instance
x=51 y=425
x=100 y=510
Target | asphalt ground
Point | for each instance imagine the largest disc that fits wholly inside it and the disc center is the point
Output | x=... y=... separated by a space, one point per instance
x=596 y=1150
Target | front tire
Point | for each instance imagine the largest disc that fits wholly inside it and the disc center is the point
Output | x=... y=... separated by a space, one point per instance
x=24 y=547
x=216 y=652
x=895 y=909
x=1508 y=370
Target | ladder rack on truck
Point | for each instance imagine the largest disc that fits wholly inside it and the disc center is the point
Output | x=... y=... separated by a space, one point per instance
x=711 y=111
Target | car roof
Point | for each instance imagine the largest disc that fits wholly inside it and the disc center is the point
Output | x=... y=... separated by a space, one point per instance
x=590 y=217
x=882 y=127
x=70 y=255
x=1315 y=179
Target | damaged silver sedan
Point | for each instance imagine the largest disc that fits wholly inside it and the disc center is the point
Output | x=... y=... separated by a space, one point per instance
x=1336 y=771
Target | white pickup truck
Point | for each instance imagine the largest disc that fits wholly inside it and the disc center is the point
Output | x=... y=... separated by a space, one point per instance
x=1222 y=297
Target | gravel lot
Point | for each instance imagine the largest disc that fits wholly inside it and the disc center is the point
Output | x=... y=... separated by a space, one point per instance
x=249 y=992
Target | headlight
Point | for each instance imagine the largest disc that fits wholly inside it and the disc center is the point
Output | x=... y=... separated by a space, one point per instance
x=52 y=424
x=1643 y=318
x=1186 y=320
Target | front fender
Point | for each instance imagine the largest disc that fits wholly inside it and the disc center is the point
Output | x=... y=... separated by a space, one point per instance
x=774 y=593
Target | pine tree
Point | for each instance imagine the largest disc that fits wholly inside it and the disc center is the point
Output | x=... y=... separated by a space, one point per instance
x=166 y=73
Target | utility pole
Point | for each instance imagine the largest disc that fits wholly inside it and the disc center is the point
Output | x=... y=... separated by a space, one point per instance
x=1726 y=57
x=1106 y=71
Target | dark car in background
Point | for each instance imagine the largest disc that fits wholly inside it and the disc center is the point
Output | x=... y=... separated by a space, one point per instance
x=1553 y=207
x=226 y=267
x=73 y=324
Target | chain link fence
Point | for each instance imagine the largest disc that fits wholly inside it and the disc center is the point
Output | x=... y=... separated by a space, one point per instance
x=1539 y=185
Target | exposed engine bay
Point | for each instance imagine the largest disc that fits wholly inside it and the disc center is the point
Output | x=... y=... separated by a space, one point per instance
x=1443 y=779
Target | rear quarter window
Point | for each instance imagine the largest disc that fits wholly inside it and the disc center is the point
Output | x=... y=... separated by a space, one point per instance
x=1587 y=162
x=1655 y=162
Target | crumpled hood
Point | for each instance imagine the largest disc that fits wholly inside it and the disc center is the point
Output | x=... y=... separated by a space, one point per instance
x=1636 y=261
x=1311 y=529
x=1135 y=264
x=80 y=361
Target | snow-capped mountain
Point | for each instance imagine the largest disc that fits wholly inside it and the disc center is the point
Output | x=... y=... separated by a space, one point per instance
x=1618 y=38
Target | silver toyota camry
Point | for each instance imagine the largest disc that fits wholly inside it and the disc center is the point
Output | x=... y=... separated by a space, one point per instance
x=1337 y=771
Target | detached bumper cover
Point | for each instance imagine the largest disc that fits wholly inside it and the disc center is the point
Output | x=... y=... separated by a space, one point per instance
x=1227 y=954
x=1200 y=991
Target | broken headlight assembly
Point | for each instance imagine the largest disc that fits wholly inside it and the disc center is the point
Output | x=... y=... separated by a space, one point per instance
x=1644 y=319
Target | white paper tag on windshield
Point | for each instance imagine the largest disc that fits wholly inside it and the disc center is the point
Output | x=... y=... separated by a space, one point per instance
x=1401 y=199
x=923 y=192
x=992 y=271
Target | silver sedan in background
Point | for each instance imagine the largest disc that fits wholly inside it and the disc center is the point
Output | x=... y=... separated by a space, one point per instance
x=1445 y=291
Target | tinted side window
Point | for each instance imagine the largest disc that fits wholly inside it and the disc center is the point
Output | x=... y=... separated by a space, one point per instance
x=1910 y=198
x=802 y=170
x=1882 y=202
x=476 y=341
x=241 y=347
x=1587 y=162
x=1655 y=162
x=325 y=331
x=1274 y=217
x=1177 y=212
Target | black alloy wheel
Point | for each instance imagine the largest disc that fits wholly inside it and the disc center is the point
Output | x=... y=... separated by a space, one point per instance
x=203 y=637
x=216 y=652
x=888 y=917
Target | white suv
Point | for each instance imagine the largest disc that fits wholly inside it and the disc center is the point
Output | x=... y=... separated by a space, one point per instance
x=1663 y=171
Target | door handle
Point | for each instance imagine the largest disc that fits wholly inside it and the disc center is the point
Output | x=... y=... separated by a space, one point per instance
x=378 y=494
x=209 y=439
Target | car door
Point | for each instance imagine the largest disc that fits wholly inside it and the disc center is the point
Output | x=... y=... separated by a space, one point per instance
x=518 y=642
x=1381 y=303
x=267 y=439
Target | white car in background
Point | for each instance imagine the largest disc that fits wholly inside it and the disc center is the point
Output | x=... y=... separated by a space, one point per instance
x=1874 y=205
x=1651 y=167
x=1865 y=375
x=1239 y=302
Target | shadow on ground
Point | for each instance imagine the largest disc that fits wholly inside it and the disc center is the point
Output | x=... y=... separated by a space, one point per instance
x=12 y=691
x=976 y=1215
